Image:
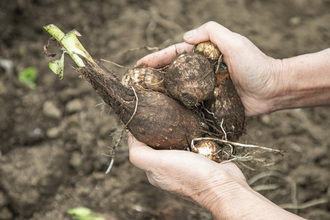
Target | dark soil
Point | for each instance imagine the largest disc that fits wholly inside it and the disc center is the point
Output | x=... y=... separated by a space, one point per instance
x=54 y=140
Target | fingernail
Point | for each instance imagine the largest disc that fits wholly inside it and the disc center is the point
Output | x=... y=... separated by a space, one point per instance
x=138 y=63
x=190 y=34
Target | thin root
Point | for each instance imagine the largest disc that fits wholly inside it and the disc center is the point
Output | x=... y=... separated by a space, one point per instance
x=223 y=130
x=265 y=187
x=144 y=47
x=135 y=109
x=281 y=176
x=113 y=151
x=305 y=205
x=102 y=104
x=246 y=166
x=113 y=63
x=294 y=205
x=218 y=64
x=239 y=144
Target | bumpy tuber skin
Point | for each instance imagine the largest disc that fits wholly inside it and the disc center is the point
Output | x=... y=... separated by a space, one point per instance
x=190 y=75
x=144 y=78
x=208 y=104
x=208 y=50
x=159 y=121
x=190 y=79
x=226 y=108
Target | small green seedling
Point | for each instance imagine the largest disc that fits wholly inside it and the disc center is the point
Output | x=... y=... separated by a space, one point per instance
x=83 y=213
x=28 y=76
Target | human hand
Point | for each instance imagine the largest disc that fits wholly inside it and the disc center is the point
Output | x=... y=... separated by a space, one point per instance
x=220 y=188
x=253 y=73
x=185 y=173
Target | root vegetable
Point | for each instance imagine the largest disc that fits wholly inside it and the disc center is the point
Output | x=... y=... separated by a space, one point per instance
x=144 y=78
x=158 y=120
x=190 y=79
x=226 y=108
x=208 y=149
x=146 y=99
x=208 y=50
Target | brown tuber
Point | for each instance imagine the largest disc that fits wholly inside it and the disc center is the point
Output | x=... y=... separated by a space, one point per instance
x=208 y=50
x=152 y=117
x=208 y=149
x=144 y=78
x=163 y=108
x=194 y=79
x=226 y=108
x=191 y=98
x=190 y=79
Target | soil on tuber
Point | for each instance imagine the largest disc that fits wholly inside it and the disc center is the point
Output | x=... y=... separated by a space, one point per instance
x=168 y=108
x=190 y=79
x=151 y=116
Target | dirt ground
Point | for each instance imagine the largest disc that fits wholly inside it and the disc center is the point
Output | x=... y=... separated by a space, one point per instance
x=54 y=140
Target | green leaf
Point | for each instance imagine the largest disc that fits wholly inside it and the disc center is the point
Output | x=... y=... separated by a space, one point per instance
x=82 y=213
x=71 y=44
x=28 y=76
x=57 y=66
x=95 y=218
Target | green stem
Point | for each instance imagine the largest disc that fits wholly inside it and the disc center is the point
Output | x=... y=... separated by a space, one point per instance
x=71 y=44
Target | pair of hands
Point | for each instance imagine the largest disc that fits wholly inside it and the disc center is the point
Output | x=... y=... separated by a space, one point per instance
x=251 y=72
x=191 y=175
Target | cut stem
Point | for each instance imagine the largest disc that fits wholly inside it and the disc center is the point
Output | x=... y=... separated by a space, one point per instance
x=71 y=44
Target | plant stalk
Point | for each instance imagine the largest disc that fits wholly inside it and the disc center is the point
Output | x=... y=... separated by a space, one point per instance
x=71 y=44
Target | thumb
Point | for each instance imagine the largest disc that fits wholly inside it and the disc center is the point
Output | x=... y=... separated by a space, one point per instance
x=210 y=31
x=140 y=154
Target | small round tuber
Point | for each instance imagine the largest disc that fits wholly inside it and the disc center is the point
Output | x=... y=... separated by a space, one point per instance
x=190 y=79
x=208 y=149
x=208 y=50
x=144 y=78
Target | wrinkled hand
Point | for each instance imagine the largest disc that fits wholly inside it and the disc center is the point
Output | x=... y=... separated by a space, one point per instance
x=220 y=188
x=185 y=173
x=253 y=73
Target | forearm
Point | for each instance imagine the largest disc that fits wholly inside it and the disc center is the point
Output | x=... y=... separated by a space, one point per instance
x=239 y=201
x=305 y=81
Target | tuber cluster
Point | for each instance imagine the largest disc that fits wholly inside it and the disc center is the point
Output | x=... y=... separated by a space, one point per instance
x=200 y=81
x=193 y=97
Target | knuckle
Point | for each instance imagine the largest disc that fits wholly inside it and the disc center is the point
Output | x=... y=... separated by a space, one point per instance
x=132 y=155
x=151 y=180
x=240 y=41
x=210 y=25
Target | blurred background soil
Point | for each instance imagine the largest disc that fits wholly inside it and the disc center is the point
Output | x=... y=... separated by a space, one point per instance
x=54 y=140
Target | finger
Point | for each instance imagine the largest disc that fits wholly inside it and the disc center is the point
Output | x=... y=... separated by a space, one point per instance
x=140 y=154
x=164 y=57
x=211 y=31
x=208 y=31
x=147 y=158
